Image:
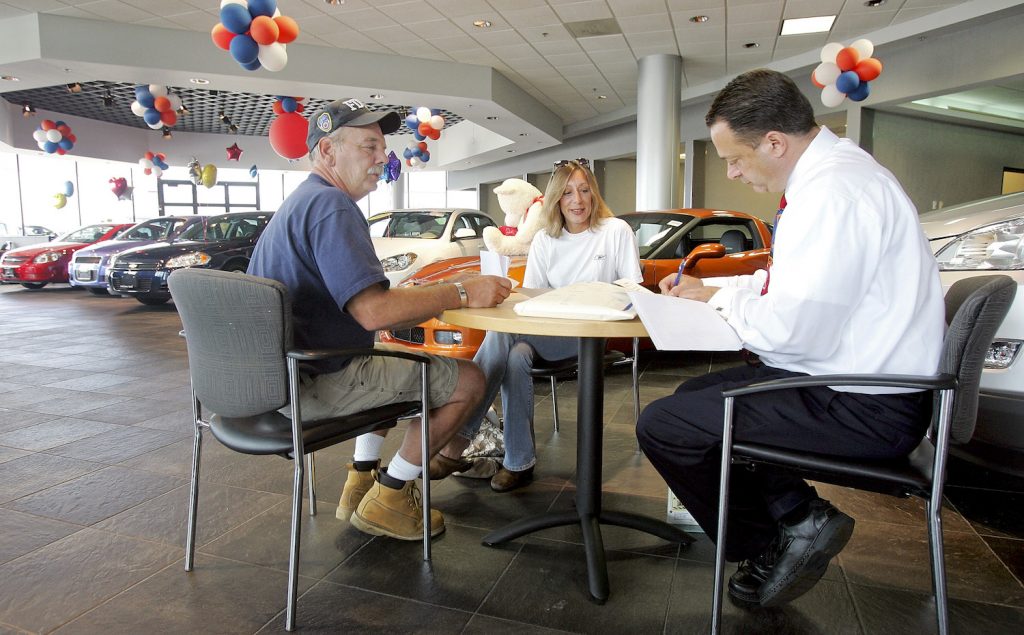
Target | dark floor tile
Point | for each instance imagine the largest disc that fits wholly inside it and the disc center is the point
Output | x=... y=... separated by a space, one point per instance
x=863 y=505
x=963 y=473
x=51 y=434
x=334 y=608
x=217 y=596
x=138 y=409
x=899 y=611
x=7 y=454
x=483 y=625
x=990 y=512
x=60 y=581
x=175 y=459
x=22 y=533
x=6 y=629
x=71 y=406
x=179 y=420
x=33 y=472
x=1011 y=552
x=95 y=496
x=470 y=502
x=116 y=445
x=92 y=381
x=14 y=419
x=554 y=583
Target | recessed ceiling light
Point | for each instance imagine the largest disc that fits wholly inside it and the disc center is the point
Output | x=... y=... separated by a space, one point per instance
x=602 y=96
x=376 y=96
x=800 y=26
x=751 y=45
x=524 y=134
x=874 y=3
x=74 y=87
x=482 y=24
x=491 y=118
x=202 y=81
x=9 y=78
x=699 y=19
x=510 y=151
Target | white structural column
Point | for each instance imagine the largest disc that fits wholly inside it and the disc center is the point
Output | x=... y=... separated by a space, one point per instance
x=657 y=131
x=398 y=191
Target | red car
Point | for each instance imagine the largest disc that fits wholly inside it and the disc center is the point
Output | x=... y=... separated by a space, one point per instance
x=714 y=243
x=35 y=266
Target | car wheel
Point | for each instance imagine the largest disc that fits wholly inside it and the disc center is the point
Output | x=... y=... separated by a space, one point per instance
x=33 y=285
x=151 y=301
x=98 y=291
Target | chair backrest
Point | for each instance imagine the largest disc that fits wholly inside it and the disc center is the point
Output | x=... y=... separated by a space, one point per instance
x=237 y=331
x=733 y=240
x=975 y=307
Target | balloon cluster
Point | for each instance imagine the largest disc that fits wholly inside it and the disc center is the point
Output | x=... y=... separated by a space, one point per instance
x=845 y=72
x=54 y=136
x=255 y=33
x=416 y=153
x=62 y=197
x=156 y=105
x=154 y=163
x=424 y=123
x=288 y=130
x=121 y=189
x=202 y=175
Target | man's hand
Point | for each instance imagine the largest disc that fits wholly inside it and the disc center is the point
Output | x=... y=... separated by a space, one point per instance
x=486 y=291
x=700 y=294
x=668 y=284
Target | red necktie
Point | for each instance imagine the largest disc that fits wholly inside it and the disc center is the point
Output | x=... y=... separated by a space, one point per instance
x=771 y=252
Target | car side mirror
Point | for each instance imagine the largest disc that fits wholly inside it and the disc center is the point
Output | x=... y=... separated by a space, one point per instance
x=707 y=250
x=464 y=232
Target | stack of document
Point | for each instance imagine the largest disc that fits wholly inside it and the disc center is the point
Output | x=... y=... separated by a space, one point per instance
x=601 y=301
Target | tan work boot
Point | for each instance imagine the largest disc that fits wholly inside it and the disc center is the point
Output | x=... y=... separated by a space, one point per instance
x=397 y=513
x=356 y=486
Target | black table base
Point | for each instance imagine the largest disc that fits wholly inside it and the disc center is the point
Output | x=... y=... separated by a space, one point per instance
x=588 y=513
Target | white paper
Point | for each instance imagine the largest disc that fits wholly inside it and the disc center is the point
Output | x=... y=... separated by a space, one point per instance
x=494 y=264
x=580 y=301
x=677 y=324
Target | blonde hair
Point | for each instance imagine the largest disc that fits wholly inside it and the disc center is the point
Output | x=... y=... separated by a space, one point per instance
x=552 y=221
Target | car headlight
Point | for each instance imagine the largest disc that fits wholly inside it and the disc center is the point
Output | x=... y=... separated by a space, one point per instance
x=448 y=337
x=194 y=259
x=1002 y=353
x=46 y=256
x=399 y=262
x=992 y=247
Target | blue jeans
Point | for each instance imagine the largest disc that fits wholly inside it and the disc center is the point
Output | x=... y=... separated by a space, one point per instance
x=506 y=360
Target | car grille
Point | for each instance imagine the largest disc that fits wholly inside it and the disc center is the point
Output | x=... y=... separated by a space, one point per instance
x=138 y=266
x=88 y=260
x=413 y=335
x=10 y=261
x=126 y=281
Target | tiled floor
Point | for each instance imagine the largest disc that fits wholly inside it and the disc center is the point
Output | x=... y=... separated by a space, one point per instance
x=95 y=445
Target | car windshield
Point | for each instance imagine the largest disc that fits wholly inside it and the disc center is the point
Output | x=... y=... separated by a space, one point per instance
x=226 y=227
x=419 y=224
x=88 y=234
x=156 y=229
x=653 y=230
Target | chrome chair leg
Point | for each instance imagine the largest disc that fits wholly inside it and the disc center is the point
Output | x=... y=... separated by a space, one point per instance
x=311 y=466
x=554 y=401
x=193 y=492
x=425 y=455
x=723 y=506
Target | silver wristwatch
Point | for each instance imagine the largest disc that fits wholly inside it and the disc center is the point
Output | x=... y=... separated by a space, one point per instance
x=463 y=296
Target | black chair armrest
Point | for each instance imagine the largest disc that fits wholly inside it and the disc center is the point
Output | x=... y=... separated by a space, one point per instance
x=922 y=382
x=312 y=355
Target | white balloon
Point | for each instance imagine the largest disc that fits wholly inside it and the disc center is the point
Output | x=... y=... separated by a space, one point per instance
x=157 y=172
x=156 y=126
x=864 y=47
x=138 y=109
x=158 y=90
x=42 y=145
x=437 y=122
x=423 y=114
x=273 y=57
x=54 y=135
x=39 y=136
x=829 y=51
x=175 y=100
x=831 y=96
x=145 y=163
x=413 y=162
x=277 y=13
x=826 y=73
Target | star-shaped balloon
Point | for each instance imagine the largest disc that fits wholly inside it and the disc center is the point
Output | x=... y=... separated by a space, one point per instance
x=392 y=169
x=234 y=152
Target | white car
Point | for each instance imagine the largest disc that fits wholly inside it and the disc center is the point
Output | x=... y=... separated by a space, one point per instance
x=984 y=237
x=408 y=239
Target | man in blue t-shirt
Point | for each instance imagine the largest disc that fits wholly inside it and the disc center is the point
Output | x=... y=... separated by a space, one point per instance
x=318 y=245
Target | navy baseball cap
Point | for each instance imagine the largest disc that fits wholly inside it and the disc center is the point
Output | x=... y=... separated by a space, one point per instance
x=348 y=112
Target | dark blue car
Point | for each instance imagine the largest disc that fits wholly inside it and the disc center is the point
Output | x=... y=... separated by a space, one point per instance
x=224 y=242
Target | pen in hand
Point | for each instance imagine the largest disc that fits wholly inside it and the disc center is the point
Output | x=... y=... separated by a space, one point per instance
x=680 y=274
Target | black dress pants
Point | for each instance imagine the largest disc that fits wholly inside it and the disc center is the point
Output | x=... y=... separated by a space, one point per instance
x=682 y=436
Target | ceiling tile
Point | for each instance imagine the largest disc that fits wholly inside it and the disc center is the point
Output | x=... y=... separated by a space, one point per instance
x=586 y=10
x=320 y=25
x=811 y=8
x=860 y=23
x=706 y=33
x=557 y=46
x=530 y=16
x=624 y=8
x=498 y=38
x=690 y=5
x=644 y=23
x=410 y=10
x=461 y=42
x=365 y=19
x=116 y=10
x=194 y=20
x=604 y=43
x=762 y=12
x=459 y=8
x=434 y=28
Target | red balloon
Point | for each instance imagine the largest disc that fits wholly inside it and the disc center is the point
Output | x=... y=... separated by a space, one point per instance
x=288 y=29
x=221 y=36
x=169 y=118
x=814 y=80
x=868 y=69
x=162 y=104
x=299 y=108
x=434 y=134
x=72 y=138
x=264 y=30
x=61 y=151
x=425 y=129
x=288 y=135
x=422 y=145
x=149 y=155
x=278 y=108
x=47 y=124
x=847 y=58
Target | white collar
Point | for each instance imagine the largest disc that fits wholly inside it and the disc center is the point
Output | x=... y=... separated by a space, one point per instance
x=816 y=150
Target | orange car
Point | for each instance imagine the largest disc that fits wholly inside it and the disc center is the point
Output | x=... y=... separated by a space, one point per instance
x=714 y=243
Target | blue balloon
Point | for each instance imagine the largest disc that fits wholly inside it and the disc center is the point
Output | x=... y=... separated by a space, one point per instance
x=50 y=147
x=412 y=122
x=66 y=145
x=69 y=188
x=253 y=171
x=143 y=96
x=262 y=7
x=418 y=136
x=243 y=48
x=407 y=153
x=253 y=65
x=847 y=82
x=151 y=116
x=59 y=123
x=860 y=93
x=424 y=156
x=159 y=163
x=235 y=18
x=288 y=104
x=435 y=111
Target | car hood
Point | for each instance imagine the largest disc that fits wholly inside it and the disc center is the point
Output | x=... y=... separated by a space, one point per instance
x=385 y=247
x=163 y=250
x=32 y=251
x=947 y=223
x=108 y=247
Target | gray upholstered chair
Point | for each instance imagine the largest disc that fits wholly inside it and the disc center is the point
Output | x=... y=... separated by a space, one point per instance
x=975 y=307
x=238 y=331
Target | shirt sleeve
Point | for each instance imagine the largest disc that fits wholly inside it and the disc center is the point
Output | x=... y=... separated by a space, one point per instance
x=628 y=253
x=343 y=253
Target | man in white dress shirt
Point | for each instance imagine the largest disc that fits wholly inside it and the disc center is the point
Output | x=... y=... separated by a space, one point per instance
x=851 y=287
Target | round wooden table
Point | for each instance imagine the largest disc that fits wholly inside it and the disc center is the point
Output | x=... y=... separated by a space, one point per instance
x=590 y=434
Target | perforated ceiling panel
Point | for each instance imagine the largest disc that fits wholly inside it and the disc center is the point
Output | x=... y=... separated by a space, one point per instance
x=251 y=113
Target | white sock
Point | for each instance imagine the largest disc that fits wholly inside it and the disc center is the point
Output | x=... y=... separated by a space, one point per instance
x=368 y=447
x=403 y=470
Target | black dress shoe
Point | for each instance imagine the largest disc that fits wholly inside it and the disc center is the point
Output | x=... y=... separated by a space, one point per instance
x=803 y=552
x=746 y=582
x=506 y=481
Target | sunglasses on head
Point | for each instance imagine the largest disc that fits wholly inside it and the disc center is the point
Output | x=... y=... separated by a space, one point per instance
x=580 y=161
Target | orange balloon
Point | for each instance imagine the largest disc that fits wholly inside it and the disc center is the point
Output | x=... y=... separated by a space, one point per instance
x=288 y=29
x=264 y=30
x=169 y=118
x=868 y=69
x=278 y=109
x=847 y=58
x=221 y=36
x=162 y=104
x=47 y=124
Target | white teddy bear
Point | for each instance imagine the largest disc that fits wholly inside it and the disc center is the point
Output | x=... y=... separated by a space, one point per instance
x=521 y=203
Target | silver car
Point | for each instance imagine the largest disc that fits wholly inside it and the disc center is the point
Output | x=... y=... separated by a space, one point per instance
x=983 y=237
